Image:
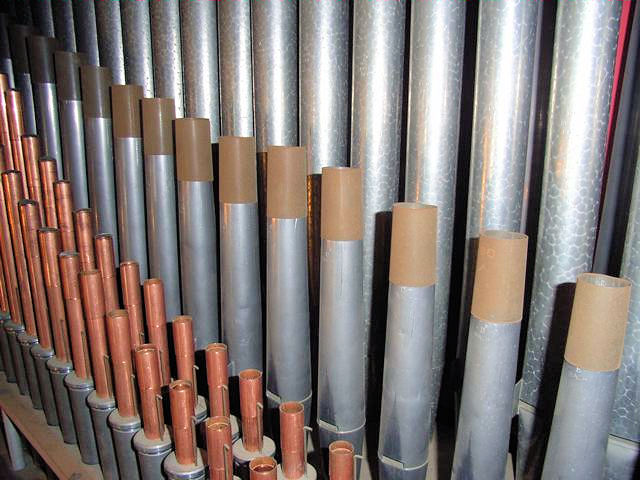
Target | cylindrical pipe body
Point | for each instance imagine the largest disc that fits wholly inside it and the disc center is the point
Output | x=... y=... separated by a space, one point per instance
x=132 y=300
x=101 y=409
x=110 y=39
x=79 y=390
x=220 y=457
x=123 y=430
x=9 y=266
x=157 y=324
x=84 y=14
x=42 y=15
x=14 y=444
x=31 y=151
x=13 y=330
x=84 y=239
x=105 y=259
x=16 y=132
x=5 y=134
x=151 y=454
x=6 y=65
x=58 y=371
x=5 y=350
x=149 y=383
x=341 y=461
x=64 y=213
x=48 y=176
x=47 y=397
x=181 y=397
x=136 y=44
x=64 y=25
x=22 y=73
x=185 y=362
x=27 y=342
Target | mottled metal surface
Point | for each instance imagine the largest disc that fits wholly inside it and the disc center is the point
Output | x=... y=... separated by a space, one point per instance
x=110 y=38
x=236 y=80
x=167 y=52
x=435 y=81
x=378 y=60
x=324 y=83
x=136 y=44
x=200 y=62
x=275 y=61
x=622 y=456
x=63 y=24
x=84 y=14
x=42 y=16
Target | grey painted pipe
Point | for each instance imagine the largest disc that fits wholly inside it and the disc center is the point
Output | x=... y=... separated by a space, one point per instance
x=22 y=74
x=99 y=150
x=123 y=429
x=151 y=454
x=14 y=444
x=435 y=82
x=101 y=408
x=136 y=44
x=84 y=14
x=275 y=61
x=42 y=15
x=622 y=459
x=79 y=389
x=167 y=53
x=58 y=370
x=200 y=63
x=376 y=119
x=64 y=24
x=26 y=343
x=6 y=66
x=13 y=330
x=5 y=349
x=324 y=83
x=176 y=471
x=585 y=47
x=110 y=39
x=72 y=125
x=236 y=80
x=41 y=357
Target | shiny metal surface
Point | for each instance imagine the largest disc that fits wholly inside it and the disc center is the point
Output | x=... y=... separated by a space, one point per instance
x=236 y=80
x=101 y=408
x=324 y=83
x=275 y=62
x=64 y=25
x=72 y=136
x=42 y=15
x=27 y=342
x=13 y=330
x=136 y=44
x=84 y=14
x=58 y=370
x=41 y=357
x=200 y=62
x=79 y=390
x=130 y=200
x=241 y=311
x=5 y=350
x=435 y=81
x=167 y=52
x=164 y=263
x=23 y=84
x=14 y=444
x=622 y=456
x=110 y=39
x=45 y=101
x=123 y=429
x=376 y=118
x=198 y=260
x=6 y=65
x=151 y=454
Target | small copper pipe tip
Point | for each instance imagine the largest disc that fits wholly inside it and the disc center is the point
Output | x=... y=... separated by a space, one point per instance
x=105 y=259
x=30 y=223
x=5 y=136
x=184 y=347
x=49 y=239
x=263 y=468
x=251 y=409
x=132 y=299
x=292 y=440
x=217 y=359
x=84 y=238
x=8 y=262
x=219 y=451
x=149 y=382
x=120 y=348
x=64 y=209
x=157 y=323
x=48 y=176
x=31 y=148
x=182 y=408
x=341 y=460
x=69 y=272
x=93 y=303
x=16 y=127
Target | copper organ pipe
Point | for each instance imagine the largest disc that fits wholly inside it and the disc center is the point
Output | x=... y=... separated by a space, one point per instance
x=120 y=349
x=292 y=442
x=105 y=260
x=16 y=130
x=149 y=383
x=69 y=271
x=132 y=299
x=84 y=239
x=8 y=263
x=217 y=359
x=4 y=299
x=31 y=149
x=184 y=350
x=181 y=399
x=157 y=323
x=219 y=452
x=5 y=137
x=48 y=176
x=64 y=209
x=341 y=461
x=251 y=408
x=263 y=468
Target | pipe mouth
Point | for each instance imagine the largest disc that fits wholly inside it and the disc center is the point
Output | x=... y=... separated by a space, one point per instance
x=146 y=348
x=504 y=235
x=262 y=465
x=153 y=281
x=341 y=447
x=218 y=423
x=180 y=385
x=250 y=374
x=216 y=347
x=291 y=407
x=182 y=319
x=414 y=206
x=600 y=280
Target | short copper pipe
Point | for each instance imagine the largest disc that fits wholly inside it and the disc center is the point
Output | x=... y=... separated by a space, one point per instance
x=106 y=262
x=263 y=468
x=219 y=453
x=12 y=195
x=93 y=303
x=4 y=299
x=48 y=176
x=64 y=210
x=5 y=137
x=217 y=359
x=30 y=223
x=157 y=323
x=31 y=148
x=292 y=444
x=132 y=299
x=341 y=461
x=69 y=271
x=16 y=129
x=149 y=383
x=49 y=239
x=84 y=239
x=8 y=262
x=184 y=350
x=251 y=409
x=182 y=407
x=120 y=348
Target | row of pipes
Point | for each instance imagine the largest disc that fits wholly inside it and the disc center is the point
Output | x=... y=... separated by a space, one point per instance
x=329 y=76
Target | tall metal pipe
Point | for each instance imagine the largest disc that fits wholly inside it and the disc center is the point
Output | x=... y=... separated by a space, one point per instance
x=110 y=39
x=84 y=239
x=241 y=306
x=22 y=73
x=288 y=338
x=48 y=176
x=6 y=65
x=31 y=150
x=484 y=424
x=199 y=35
x=14 y=443
x=71 y=124
x=197 y=224
x=167 y=52
x=132 y=301
x=584 y=52
x=84 y=14
x=16 y=132
x=160 y=189
x=64 y=24
x=405 y=419
x=64 y=213
x=154 y=306
x=99 y=150
x=236 y=80
x=136 y=44
x=341 y=367
x=5 y=134
x=127 y=136
x=105 y=260
x=378 y=64
x=42 y=15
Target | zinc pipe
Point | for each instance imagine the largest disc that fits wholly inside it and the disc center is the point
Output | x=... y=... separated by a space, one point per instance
x=64 y=24
x=42 y=15
x=136 y=44
x=6 y=65
x=110 y=38
x=22 y=72
x=86 y=29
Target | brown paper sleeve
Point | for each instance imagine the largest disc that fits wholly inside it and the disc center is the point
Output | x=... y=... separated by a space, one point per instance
x=237 y=173
x=157 y=125
x=498 y=289
x=95 y=91
x=286 y=182
x=341 y=204
x=193 y=150
x=598 y=322
x=413 y=245
x=125 y=102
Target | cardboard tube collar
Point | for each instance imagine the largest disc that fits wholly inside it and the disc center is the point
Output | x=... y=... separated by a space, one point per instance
x=95 y=91
x=286 y=182
x=193 y=150
x=237 y=174
x=125 y=101
x=341 y=204
x=68 y=74
x=157 y=125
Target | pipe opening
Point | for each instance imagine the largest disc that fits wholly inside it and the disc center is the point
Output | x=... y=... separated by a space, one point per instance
x=600 y=280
